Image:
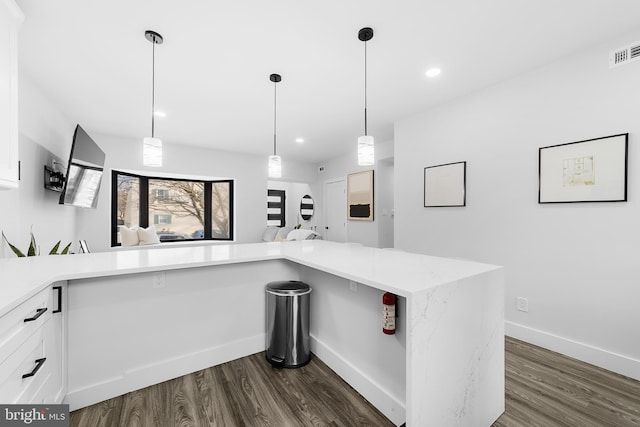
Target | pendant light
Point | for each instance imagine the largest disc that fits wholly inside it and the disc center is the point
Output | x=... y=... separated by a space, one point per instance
x=365 y=142
x=275 y=162
x=152 y=147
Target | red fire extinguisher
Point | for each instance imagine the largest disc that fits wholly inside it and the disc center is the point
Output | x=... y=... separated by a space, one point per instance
x=389 y=313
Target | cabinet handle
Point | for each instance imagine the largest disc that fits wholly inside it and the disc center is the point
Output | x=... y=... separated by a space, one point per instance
x=59 y=309
x=39 y=312
x=39 y=363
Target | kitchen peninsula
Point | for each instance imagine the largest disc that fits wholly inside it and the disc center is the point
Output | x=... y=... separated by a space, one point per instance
x=444 y=366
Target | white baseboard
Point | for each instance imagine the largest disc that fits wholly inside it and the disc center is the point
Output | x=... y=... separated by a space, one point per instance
x=158 y=372
x=389 y=405
x=596 y=356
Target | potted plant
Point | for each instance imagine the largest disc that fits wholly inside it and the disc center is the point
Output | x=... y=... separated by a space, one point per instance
x=34 y=249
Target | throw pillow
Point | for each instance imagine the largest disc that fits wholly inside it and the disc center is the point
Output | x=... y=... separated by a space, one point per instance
x=270 y=233
x=129 y=236
x=148 y=236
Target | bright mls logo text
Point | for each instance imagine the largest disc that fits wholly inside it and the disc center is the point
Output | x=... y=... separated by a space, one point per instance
x=31 y=415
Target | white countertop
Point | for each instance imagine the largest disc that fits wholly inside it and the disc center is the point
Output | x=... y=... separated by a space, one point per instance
x=394 y=271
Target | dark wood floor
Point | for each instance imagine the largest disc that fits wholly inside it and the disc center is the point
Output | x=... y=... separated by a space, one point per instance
x=547 y=389
x=543 y=389
x=244 y=392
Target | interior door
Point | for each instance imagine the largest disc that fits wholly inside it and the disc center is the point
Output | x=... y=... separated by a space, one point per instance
x=336 y=211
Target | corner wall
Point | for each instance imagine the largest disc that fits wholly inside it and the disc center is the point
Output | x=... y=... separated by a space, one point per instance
x=576 y=263
x=44 y=130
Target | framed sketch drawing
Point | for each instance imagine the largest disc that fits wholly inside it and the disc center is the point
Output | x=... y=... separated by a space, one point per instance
x=594 y=170
x=360 y=196
x=445 y=185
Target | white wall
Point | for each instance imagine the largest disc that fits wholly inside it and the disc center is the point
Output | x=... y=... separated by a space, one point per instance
x=44 y=130
x=363 y=232
x=248 y=171
x=385 y=177
x=576 y=263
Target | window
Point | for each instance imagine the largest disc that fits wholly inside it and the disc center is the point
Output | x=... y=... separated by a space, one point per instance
x=161 y=219
x=180 y=209
x=126 y=189
x=160 y=194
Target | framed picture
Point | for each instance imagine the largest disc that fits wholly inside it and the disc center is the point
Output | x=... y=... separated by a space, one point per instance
x=445 y=185
x=360 y=196
x=594 y=170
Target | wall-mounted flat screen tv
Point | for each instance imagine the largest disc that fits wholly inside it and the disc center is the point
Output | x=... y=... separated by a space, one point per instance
x=84 y=172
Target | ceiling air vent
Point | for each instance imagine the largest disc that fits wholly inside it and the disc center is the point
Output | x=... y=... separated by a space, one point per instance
x=624 y=55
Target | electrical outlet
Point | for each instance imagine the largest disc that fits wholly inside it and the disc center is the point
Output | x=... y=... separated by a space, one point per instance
x=158 y=280
x=353 y=286
x=522 y=304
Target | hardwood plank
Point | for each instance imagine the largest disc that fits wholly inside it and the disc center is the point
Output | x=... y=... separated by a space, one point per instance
x=134 y=408
x=543 y=407
x=183 y=402
x=103 y=414
x=299 y=401
x=215 y=410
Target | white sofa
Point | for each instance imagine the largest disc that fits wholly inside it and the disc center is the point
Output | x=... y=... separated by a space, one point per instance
x=282 y=234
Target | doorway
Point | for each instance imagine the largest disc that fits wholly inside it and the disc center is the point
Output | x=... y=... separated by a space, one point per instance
x=335 y=212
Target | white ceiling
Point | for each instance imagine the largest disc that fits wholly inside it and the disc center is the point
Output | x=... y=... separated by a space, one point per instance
x=212 y=72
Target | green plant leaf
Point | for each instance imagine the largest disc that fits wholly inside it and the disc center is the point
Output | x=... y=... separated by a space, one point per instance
x=32 y=246
x=15 y=250
x=54 y=250
x=66 y=249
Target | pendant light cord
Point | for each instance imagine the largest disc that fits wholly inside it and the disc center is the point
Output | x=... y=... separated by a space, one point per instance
x=153 y=86
x=365 y=88
x=274 y=116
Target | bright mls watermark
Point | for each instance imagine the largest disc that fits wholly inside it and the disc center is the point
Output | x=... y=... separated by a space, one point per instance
x=34 y=415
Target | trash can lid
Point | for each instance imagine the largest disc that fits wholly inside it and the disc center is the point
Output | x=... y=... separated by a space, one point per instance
x=288 y=287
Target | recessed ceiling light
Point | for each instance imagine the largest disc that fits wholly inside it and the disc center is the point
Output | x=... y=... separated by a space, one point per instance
x=432 y=72
x=299 y=140
x=159 y=114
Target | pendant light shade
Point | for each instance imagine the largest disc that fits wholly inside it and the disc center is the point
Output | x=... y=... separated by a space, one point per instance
x=275 y=167
x=152 y=151
x=152 y=147
x=365 y=150
x=365 y=143
x=275 y=162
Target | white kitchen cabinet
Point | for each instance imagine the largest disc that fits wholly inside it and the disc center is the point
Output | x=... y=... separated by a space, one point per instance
x=10 y=20
x=33 y=349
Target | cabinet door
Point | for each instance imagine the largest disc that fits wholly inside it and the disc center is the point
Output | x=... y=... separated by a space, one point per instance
x=56 y=345
x=10 y=19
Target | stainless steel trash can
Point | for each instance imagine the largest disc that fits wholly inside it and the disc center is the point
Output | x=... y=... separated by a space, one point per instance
x=288 y=323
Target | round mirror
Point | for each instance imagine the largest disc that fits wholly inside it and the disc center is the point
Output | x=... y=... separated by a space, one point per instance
x=306 y=207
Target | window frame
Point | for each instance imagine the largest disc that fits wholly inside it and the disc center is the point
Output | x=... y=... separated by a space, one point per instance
x=143 y=213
